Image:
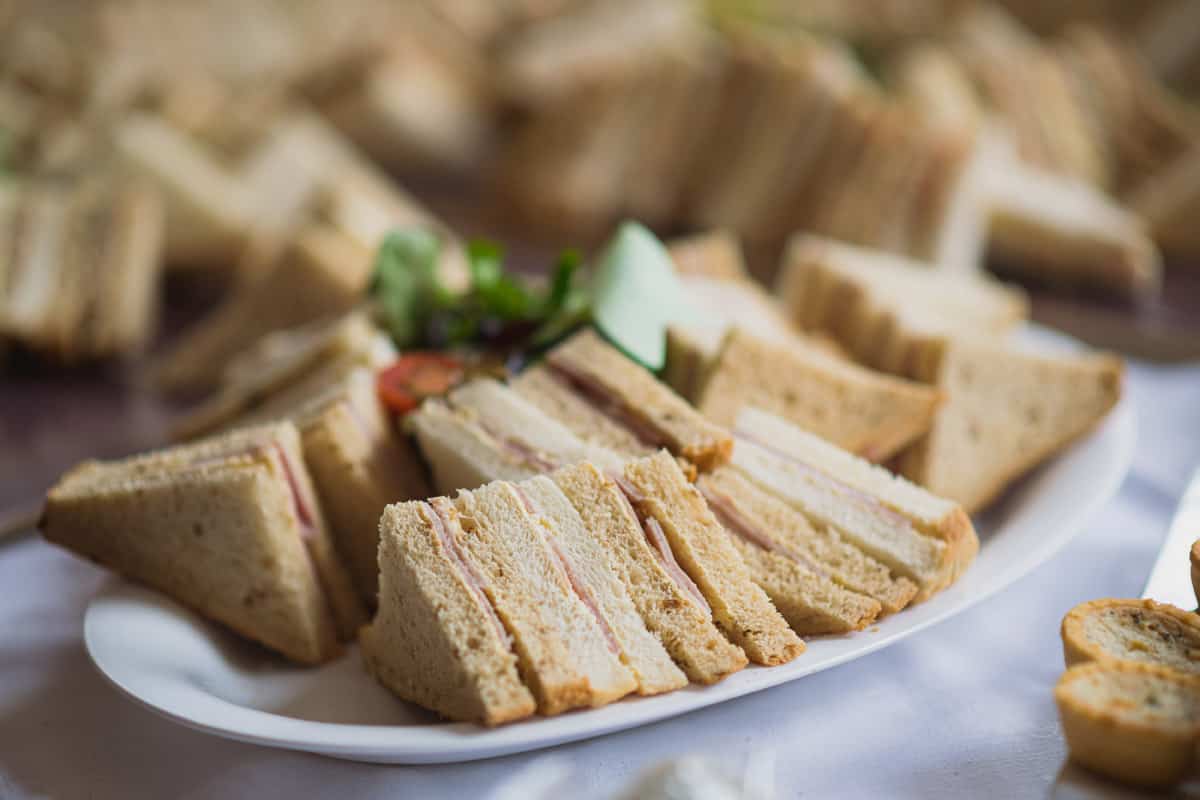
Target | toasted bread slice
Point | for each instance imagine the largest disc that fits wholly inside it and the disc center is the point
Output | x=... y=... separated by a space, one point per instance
x=562 y=652
x=601 y=588
x=859 y=410
x=794 y=535
x=1138 y=723
x=664 y=595
x=1006 y=412
x=739 y=606
x=229 y=527
x=623 y=390
x=1141 y=631
x=436 y=640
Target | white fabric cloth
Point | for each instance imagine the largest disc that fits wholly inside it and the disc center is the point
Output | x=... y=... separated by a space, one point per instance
x=961 y=710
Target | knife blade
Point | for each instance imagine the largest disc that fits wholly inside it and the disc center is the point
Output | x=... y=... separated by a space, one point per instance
x=1171 y=579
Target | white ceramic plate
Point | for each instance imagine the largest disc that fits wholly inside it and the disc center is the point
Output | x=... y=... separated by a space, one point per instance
x=190 y=671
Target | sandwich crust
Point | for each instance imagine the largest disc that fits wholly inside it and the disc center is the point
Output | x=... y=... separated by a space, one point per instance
x=739 y=606
x=684 y=627
x=432 y=641
x=561 y=650
x=845 y=564
x=586 y=360
x=867 y=413
x=359 y=465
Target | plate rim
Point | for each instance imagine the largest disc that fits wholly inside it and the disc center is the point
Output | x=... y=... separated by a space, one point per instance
x=462 y=742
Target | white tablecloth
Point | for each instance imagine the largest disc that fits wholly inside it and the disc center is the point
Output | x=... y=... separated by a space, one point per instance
x=960 y=710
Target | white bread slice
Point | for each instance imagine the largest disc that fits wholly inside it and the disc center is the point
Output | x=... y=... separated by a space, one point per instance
x=680 y=621
x=484 y=431
x=561 y=649
x=436 y=641
x=230 y=528
x=795 y=535
x=702 y=547
x=601 y=588
x=560 y=403
x=1138 y=723
x=623 y=389
x=1140 y=631
x=360 y=465
x=1006 y=412
x=923 y=537
x=859 y=410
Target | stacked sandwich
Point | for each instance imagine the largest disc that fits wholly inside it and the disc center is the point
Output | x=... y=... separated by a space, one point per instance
x=595 y=535
x=768 y=130
x=746 y=129
x=259 y=190
x=79 y=265
x=1005 y=409
x=745 y=351
x=292 y=203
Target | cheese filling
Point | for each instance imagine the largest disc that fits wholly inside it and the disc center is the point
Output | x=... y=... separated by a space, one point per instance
x=441 y=516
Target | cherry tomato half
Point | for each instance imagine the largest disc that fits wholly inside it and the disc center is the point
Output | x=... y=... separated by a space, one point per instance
x=417 y=375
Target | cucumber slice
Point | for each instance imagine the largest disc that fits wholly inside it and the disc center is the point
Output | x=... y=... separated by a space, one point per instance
x=636 y=295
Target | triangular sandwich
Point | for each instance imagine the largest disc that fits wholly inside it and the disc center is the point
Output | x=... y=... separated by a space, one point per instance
x=230 y=527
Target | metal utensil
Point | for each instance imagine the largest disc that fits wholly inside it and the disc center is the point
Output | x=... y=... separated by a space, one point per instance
x=1171 y=579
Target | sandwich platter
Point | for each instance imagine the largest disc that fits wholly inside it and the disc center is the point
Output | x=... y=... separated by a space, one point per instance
x=188 y=670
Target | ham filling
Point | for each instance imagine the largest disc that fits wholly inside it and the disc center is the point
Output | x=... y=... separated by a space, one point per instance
x=581 y=589
x=738 y=524
x=607 y=403
x=441 y=519
x=657 y=539
x=302 y=504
